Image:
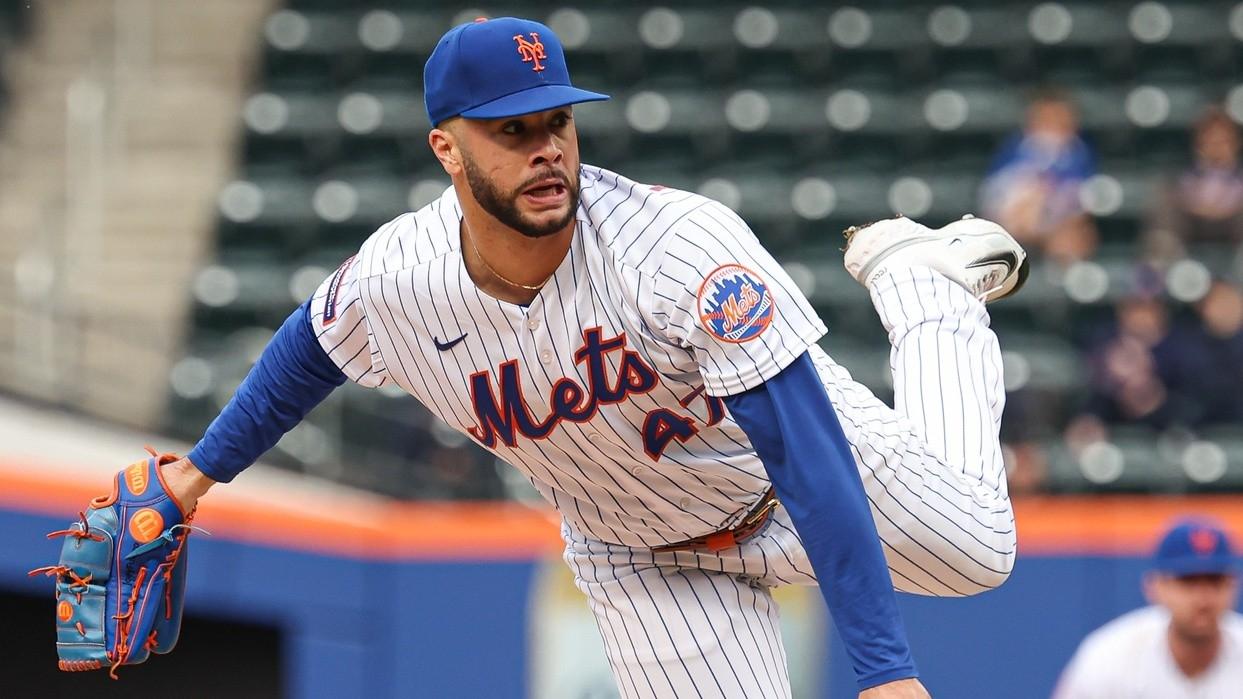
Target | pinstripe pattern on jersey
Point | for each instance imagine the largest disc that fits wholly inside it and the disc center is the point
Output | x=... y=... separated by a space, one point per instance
x=691 y=624
x=712 y=236
x=409 y=284
x=634 y=244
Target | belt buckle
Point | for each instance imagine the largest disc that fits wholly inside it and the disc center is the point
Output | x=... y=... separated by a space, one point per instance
x=719 y=541
x=765 y=509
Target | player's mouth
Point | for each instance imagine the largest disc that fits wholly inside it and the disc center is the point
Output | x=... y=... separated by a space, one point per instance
x=547 y=193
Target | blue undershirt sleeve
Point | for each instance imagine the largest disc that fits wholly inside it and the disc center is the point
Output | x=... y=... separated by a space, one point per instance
x=293 y=375
x=795 y=431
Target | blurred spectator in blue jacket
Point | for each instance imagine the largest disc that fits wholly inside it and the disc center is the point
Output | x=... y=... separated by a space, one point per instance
x=1205 y=203
x=1218 y=371
x=1142 y=371
x=1149 y=370
x=1033 y=185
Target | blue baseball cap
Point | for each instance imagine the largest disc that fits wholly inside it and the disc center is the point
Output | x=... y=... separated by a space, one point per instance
x=1194 y=547
x=502 y=67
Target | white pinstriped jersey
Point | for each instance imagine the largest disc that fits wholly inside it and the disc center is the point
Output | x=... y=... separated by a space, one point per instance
x=702 y=623
x=1130 y=658
x=603 y=390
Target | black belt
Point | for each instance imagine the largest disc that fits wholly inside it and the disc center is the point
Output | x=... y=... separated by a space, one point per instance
x=728 y=538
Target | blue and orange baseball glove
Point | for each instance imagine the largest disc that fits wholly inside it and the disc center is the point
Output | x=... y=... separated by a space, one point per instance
x=120 y=581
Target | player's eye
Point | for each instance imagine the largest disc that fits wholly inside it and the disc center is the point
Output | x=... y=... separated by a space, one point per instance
x=513 y=127
x=560 y=120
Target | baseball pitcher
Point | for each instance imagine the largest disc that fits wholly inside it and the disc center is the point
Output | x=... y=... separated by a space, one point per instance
x=637 y=354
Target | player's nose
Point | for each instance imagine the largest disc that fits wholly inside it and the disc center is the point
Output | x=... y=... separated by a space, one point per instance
x=547 y=150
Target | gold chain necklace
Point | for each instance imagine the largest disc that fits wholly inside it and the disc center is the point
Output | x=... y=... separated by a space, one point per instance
x=497 y=274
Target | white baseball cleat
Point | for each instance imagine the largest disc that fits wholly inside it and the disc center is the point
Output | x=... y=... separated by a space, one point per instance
x=978 y=254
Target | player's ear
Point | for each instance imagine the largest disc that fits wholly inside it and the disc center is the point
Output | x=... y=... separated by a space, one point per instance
x=444 y=143
x=1152 y=588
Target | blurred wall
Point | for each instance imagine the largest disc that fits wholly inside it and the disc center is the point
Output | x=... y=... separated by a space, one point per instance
x=251 y=653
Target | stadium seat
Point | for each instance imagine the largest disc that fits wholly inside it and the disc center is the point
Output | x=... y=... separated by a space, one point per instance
x=804 y=117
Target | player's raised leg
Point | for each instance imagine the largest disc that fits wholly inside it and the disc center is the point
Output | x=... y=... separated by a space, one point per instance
x=932 y=466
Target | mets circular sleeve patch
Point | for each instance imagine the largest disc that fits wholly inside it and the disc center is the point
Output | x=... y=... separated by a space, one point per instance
x=735 y=304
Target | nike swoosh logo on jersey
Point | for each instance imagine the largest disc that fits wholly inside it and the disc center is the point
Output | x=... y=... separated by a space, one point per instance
x=446 y=346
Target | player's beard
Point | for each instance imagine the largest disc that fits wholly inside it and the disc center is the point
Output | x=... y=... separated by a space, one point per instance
x=1197 y=630
x=504 y=207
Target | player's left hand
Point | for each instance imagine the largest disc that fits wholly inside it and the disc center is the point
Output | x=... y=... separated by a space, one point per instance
x=902 y=689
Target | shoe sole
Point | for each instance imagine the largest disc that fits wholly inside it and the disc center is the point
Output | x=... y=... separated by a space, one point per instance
x=1013 y=268
x=1024 y=271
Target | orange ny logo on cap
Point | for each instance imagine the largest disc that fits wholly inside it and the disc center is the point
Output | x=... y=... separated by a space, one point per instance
x=1203 y=541
x=531 y=51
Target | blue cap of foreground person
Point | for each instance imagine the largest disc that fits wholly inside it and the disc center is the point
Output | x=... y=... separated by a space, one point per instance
x=1194 y=547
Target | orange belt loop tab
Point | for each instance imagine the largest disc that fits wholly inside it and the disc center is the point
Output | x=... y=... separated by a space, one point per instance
x=720 y=541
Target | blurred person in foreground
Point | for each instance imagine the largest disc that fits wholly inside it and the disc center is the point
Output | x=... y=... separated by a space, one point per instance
x=1032 y=187
x=1187 y=645
x=1204 y=204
